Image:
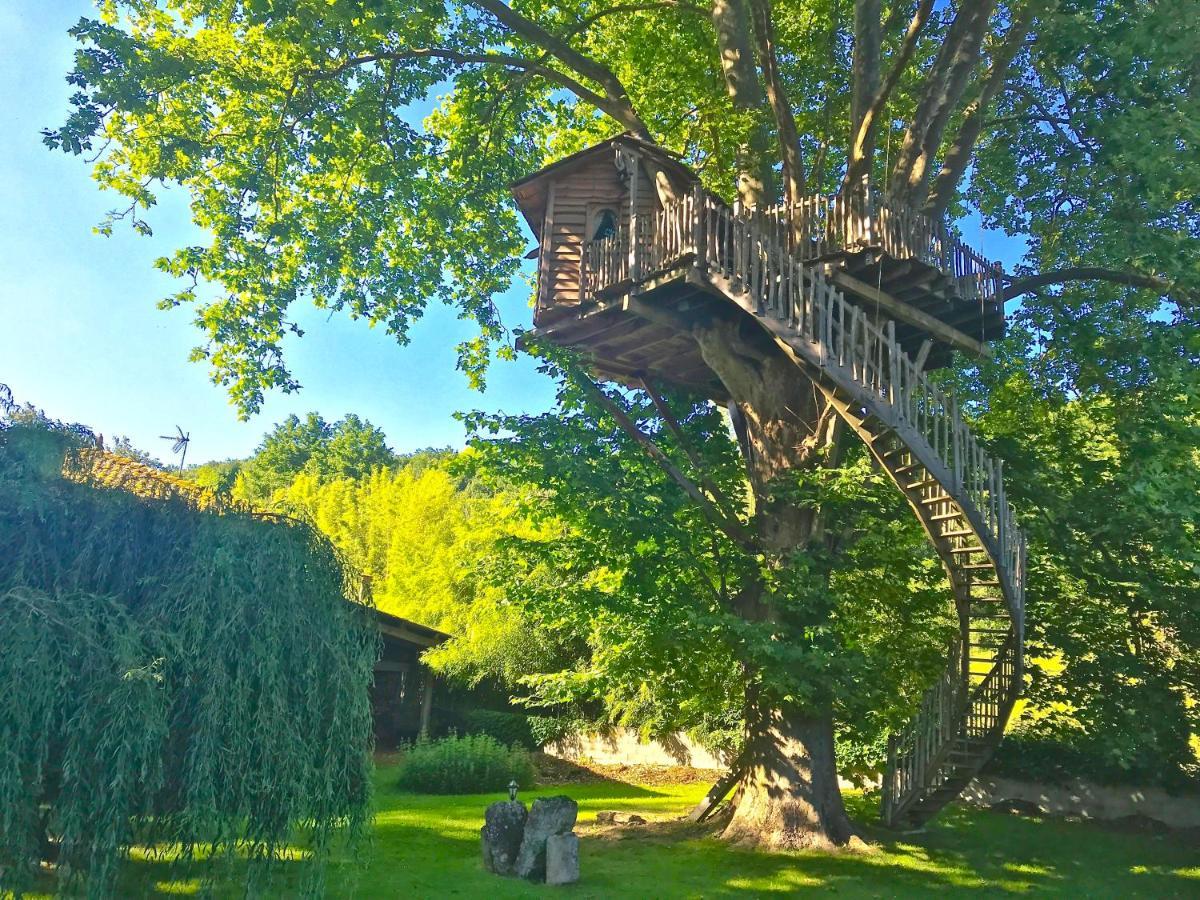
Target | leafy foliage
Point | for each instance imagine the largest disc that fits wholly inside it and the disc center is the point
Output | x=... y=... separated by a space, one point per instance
x=1096 y=408
x=349 y=448
x=634 y=597
x=173 y=678
x=470 y=764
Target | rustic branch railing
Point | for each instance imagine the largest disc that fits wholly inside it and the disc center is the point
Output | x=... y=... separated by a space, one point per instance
x=749 y=255
x=863 y=217
x=870 y=356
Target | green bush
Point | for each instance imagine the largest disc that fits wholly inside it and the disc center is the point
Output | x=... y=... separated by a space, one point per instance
x=1063 y=756
x=169 y=675
x=471 y=764
x=508 y=728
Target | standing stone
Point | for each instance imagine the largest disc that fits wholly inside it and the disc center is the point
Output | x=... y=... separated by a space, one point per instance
x=504 y=826
x=562 y=858
x=549 y=816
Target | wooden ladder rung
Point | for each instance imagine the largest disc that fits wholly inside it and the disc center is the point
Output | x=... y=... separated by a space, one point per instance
x=967 y=550
x=975 y=567
x=929 y=501
x=960 y=532
x=942 y=517
x=924 y=482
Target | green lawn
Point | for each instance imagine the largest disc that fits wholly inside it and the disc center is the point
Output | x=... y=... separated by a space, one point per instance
x=427 y=846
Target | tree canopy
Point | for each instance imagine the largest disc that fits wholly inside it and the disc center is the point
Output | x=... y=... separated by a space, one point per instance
x=293 y=128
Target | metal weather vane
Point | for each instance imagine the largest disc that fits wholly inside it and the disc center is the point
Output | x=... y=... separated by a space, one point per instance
x=181 y=440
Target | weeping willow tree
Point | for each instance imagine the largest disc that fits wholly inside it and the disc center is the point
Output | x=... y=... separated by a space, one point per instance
x=181 y=679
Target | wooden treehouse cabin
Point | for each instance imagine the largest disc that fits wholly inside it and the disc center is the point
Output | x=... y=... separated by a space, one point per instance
x=866 y=297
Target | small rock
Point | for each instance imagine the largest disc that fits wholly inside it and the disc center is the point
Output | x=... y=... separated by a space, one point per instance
x=548 y=816
x=1016 y=807
x=504 y=827
x=611 y=817
x=562 y=858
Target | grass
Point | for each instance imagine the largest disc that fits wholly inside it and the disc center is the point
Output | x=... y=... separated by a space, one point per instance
x=428 y=846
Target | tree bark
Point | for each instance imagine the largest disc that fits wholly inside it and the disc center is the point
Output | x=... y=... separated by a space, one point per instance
x=943 y=87
x=863 y=140
x=864 y=85
x=788 y=797
x=732 y=26
x=781 y=107
x=958 y=156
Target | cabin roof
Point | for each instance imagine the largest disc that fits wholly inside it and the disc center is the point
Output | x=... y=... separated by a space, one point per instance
x=531 y=191
x=408 y=631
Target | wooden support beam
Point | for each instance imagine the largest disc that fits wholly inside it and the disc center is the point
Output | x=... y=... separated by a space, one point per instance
x=923 y=354
x=426 y=700
x=716 y=793
x=913 y=316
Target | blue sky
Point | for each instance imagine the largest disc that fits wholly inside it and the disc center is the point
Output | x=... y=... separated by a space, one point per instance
x=81 y=338
x=79 y=333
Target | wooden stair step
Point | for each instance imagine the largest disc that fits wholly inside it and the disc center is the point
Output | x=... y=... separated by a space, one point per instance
x=959 y=532
x=924 y=482
x=967 y=550
x=942 y=517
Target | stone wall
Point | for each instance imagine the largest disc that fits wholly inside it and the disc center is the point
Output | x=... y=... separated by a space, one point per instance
x=1089 y=801
x=622 y=746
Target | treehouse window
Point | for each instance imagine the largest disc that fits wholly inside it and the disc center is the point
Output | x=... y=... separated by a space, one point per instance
x=606 y=225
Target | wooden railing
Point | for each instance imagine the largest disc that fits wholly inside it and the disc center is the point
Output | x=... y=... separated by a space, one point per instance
x=862 y=217
x=868 y=355
x=749 y=255
x=913 y=752
x=605 y=263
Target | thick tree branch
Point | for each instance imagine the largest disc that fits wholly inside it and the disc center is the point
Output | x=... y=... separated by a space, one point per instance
x=958 y=157
x=1024 y=285
x=863 y=144
x=864 y=72
x=944 y=85
x=673 y=423
x=504 y=60
x=785 y=122
x=616 y=102
x=731 y=528
x=732 y=27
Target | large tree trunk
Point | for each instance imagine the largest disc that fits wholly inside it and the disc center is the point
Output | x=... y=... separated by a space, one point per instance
x=789 y=796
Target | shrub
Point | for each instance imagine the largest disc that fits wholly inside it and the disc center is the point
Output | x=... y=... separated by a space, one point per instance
x=1060 y=757
x=169 y=675
x=508 y=728
x=471 y=764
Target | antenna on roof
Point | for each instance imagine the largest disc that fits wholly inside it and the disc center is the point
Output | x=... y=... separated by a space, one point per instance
x=181 y=444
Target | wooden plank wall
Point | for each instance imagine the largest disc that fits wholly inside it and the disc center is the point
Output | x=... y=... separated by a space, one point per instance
x=572 y=198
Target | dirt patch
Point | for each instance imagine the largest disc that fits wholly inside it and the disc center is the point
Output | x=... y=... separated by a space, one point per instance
x=552 y=770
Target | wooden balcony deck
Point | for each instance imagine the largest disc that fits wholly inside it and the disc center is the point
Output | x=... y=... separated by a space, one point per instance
x=892 y=262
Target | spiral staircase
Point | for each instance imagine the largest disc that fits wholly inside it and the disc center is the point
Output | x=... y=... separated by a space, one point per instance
x=912 y=428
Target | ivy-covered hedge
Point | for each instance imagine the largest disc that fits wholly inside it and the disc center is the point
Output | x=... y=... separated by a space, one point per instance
x=1066 y=756
x=170 y=677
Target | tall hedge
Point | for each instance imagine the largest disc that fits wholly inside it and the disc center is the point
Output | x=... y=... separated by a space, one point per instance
x=183 y=679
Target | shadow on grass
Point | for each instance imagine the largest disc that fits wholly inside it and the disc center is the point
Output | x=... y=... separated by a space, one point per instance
x=426 y=846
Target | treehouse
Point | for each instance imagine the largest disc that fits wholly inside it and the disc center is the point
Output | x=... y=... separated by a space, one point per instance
x=624 y=219
x=865 y=298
